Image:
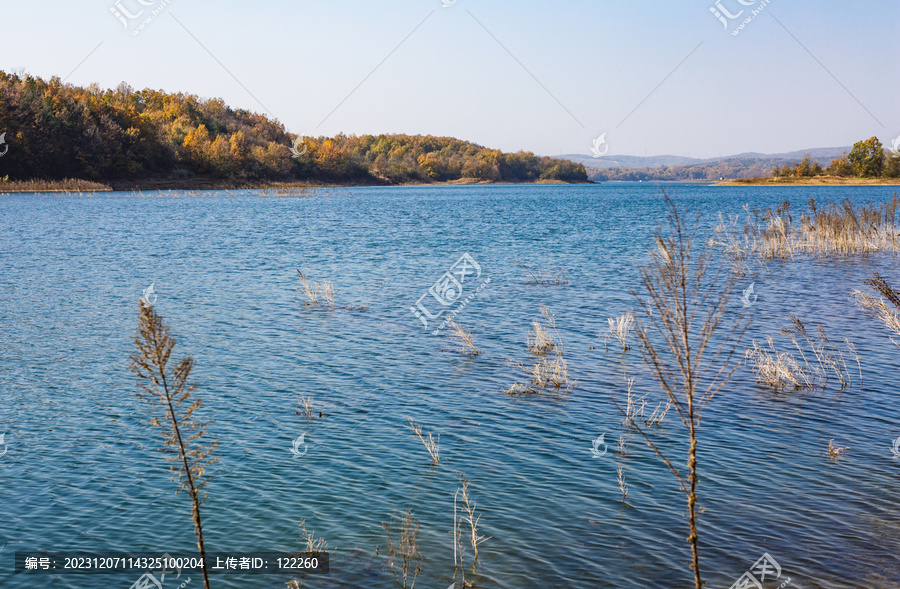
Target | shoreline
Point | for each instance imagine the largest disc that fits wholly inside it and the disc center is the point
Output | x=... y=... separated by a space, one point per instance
x=810 y=181
x=161 y=184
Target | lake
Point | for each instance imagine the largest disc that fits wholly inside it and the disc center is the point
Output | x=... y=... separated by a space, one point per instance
x=82 y=471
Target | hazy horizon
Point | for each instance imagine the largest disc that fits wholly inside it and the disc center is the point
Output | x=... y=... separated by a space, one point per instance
x=512 y=76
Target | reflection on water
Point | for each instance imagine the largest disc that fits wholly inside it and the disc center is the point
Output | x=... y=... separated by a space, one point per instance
x=81 y=473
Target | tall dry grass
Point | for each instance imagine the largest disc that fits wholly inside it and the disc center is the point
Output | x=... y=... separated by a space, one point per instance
x=168 y=390
x=691 y=302
x=843 y=229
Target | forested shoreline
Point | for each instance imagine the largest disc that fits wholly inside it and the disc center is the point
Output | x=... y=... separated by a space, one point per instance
x=55 y=131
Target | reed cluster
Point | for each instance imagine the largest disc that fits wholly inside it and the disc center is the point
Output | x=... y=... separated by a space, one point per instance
x=620 y=329
x=317 y=294
x=819 y=360
x=835 y=230
x=548 y=372
x=67 y=185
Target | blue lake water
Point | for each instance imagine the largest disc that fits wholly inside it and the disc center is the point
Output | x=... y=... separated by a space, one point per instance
x=81 y=471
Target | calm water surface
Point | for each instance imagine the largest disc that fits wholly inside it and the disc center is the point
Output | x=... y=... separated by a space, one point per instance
x=81 y=471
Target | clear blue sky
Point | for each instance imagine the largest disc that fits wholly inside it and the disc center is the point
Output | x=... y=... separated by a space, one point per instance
x=541 y=76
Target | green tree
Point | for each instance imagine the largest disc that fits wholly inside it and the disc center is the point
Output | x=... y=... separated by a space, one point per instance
x=867 y=158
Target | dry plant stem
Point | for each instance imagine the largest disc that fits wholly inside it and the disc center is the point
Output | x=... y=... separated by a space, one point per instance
x=313 y=544
x=407 y=547
x=471 y=520
x=434 y=448
x=462 y=335
x=887 y=311
x=317 y=294
x=622 y=485
x=690 y=307
x=306 y=406
x=169 y=390
x=834 y=450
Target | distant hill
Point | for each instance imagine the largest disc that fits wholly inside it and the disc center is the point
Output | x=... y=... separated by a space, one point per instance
x=673 y=167
x=148 y=137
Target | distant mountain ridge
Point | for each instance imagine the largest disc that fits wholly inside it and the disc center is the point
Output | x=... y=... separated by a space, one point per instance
x=823 y=155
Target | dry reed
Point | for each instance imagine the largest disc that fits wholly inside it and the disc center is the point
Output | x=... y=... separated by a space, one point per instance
x=835 y=451
x=407 y=548
x=623 y=487
x=620 y=328
x=434 y=448
x=467 y=519
x=317 y=294
x=463 y=336
x=306 y=407
x=168 y=390
x=691 y=306
x=887 y=309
